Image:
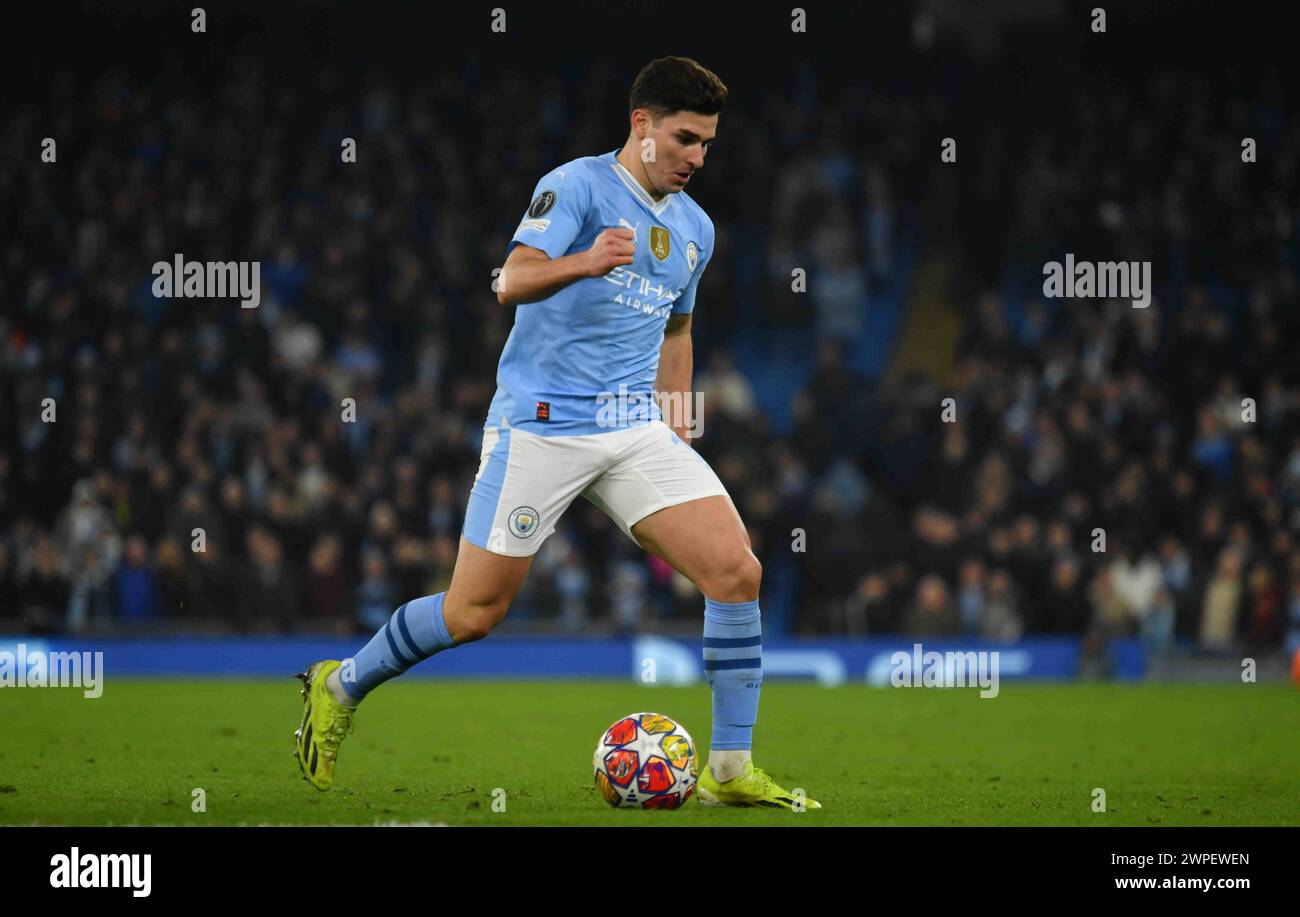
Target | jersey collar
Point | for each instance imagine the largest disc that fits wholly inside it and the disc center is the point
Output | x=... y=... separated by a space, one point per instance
x=634 y=186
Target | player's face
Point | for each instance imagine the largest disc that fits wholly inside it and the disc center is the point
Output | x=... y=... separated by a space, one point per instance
x=680 y=142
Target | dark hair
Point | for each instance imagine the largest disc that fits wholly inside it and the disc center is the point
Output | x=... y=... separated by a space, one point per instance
x=673 y=84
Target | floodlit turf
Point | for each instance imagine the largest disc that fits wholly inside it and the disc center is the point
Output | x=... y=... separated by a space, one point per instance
x=433 y=752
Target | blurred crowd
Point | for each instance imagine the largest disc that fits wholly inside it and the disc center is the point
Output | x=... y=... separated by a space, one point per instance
x=202 y=470
x=1110 y=471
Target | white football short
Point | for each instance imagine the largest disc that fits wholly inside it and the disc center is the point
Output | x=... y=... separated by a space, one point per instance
x=525 y=482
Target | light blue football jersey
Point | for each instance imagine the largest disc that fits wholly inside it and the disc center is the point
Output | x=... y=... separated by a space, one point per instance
x=584 y=360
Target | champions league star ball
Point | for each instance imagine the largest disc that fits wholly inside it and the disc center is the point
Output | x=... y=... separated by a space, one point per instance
x=645 y=761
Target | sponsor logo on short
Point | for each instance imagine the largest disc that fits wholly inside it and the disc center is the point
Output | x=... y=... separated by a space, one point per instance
x=523 y=521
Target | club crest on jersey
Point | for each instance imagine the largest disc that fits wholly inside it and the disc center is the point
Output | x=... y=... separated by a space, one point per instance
x=541 y=204
x=691 y=256
x=659 y=242
x=523 y=521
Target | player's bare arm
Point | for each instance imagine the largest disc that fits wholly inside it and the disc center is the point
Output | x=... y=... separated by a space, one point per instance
x=529 y=274
x=673 y=382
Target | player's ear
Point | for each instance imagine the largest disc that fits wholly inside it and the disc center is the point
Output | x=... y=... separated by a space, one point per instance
x=641 y=123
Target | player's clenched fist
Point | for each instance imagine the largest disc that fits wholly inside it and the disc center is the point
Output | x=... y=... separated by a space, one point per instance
x=612 y=248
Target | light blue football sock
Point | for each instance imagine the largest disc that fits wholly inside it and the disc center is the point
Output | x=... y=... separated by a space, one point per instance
x=733 y=664
x=415 y=632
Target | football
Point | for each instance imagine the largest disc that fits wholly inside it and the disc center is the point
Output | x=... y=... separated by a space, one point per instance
x=645 y=761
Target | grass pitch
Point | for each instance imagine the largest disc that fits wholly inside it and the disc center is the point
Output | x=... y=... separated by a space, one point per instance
x=434 y=752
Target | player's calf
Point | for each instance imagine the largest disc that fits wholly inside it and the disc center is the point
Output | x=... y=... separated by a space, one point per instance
x=468 y=623
x=482 y=587
x=416 y=631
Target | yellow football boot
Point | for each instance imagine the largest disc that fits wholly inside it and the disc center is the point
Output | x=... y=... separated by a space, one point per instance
x=753 y=788
x=325 y=724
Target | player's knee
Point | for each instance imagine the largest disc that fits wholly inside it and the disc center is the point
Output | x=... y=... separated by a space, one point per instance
x=750 y=576
x=736 y=580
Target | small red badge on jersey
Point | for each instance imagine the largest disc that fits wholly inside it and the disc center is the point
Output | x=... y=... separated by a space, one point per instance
x=543 y=410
